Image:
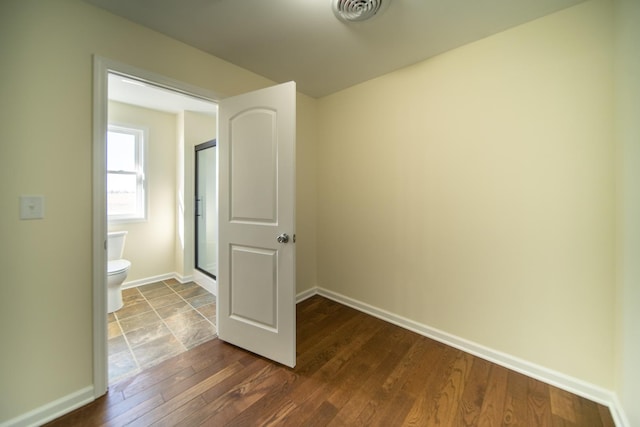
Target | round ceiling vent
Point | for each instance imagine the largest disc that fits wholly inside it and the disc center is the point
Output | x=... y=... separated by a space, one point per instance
x=357 y=10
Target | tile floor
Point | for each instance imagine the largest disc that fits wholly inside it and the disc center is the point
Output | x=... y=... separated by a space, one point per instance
x=158 y=321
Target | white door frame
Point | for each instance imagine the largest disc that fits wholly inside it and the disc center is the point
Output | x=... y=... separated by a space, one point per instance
x=101 y=68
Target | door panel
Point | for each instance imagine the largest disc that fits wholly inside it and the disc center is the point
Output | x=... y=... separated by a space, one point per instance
x=253 y=164
x=254 y=291
x=256 y=272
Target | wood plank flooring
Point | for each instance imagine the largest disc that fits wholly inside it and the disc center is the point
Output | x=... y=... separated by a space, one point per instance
x=352 y=370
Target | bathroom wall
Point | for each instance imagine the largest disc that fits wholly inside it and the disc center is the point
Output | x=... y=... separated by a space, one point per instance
x=150 y=244
x=209 y=204
x=474 y=192
x=46 y=300
x=194 y=128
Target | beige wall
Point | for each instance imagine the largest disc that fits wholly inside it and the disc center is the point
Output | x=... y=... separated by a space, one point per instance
x=46 y=148
x=200 y=128
x=150 y=244
x=196 y=129
x=628 y=162
x=306 y=169
x=473 y=192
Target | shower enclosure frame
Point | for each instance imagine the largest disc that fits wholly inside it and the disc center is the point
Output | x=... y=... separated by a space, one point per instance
x=198 y=207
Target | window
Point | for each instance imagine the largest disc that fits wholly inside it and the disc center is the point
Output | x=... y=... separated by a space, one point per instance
x=126 y=184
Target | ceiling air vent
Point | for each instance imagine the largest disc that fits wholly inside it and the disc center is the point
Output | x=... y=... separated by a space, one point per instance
x=357 y=10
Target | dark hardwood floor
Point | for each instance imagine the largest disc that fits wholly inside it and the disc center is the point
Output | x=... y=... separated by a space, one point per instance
x=352 y=369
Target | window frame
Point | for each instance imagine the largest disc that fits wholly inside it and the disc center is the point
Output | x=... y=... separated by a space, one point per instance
x=140 y=135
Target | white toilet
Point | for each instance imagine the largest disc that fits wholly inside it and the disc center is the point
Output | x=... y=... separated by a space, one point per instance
x=117 y=269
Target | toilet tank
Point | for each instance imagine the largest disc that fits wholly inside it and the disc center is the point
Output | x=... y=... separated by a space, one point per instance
x=115 y=244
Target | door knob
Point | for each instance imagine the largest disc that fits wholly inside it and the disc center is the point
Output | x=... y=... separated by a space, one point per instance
x=283 y=238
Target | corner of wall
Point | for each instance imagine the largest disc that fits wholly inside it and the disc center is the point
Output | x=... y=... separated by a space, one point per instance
x=627 y=140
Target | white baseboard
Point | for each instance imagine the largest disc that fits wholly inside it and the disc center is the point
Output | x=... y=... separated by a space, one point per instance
x=52 y=410
x=183 y=279
x=206 y=282
x=201 y=279
x=148 y=280
x=617 y=412
x=306 y=294
x=549 y=376
x=159 y=278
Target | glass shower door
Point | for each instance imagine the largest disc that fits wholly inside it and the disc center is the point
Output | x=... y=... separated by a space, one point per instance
x=206 y=208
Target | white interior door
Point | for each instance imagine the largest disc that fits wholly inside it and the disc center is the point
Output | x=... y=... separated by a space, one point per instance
x=256 y=281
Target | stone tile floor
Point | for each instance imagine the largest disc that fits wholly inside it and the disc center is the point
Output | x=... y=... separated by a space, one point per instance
x=158 y=321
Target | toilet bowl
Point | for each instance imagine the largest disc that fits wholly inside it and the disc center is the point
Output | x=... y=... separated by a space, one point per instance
x=117 y=269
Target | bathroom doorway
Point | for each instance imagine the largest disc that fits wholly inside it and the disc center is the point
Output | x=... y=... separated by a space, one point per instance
x=184 y=311
x=206 y=212
x=164 y=309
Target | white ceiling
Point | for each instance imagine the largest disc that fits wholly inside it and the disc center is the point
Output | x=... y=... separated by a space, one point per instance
x=130 y=91
x=302 y=40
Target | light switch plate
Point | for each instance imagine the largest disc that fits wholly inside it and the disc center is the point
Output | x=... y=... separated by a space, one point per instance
x=31 y=207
